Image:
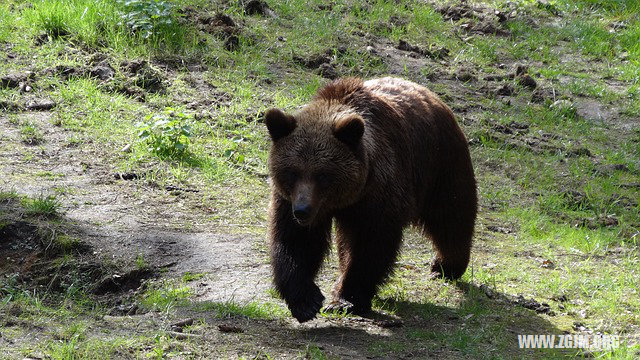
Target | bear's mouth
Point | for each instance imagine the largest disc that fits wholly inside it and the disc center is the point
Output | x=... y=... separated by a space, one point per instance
x=302 y=222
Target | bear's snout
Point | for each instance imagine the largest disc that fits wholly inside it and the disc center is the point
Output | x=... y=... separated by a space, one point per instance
x=302 y=208
x=301 y=212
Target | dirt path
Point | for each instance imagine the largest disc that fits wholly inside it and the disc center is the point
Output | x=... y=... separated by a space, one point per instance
x=120 y=218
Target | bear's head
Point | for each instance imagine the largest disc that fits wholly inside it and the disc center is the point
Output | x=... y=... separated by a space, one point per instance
x=317 y=160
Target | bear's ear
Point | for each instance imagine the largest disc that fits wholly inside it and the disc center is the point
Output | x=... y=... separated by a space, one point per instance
x=279 y=124
x=349 y=130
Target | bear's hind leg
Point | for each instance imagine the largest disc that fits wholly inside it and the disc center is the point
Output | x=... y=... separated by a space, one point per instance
x=449 y=222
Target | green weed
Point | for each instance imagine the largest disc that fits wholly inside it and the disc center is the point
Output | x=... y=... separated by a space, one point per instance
x=167 y=134
x=46 y=205
x=165 y=295
x=251 y=310
x=31 y=134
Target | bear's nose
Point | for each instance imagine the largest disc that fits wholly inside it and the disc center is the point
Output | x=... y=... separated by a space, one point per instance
x=301 y=211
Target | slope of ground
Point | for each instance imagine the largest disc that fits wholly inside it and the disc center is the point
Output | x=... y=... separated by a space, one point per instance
x=133 y=186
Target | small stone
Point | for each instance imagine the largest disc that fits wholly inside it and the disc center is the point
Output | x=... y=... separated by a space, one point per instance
x=527 y=81
x=258 y=7
x=505 y=90
x=230 y=328
x=102 y=72
x=465 y=75
x=521 y=69
x=15 y=80
x=41 y=105
x=232 y=43
x=9 y=106
x=126 y=148
x=328 y=71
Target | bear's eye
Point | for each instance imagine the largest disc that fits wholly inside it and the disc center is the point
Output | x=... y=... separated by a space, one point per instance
x=289 y=177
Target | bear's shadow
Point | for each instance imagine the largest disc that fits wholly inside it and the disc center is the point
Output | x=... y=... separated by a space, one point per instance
x=484 y=320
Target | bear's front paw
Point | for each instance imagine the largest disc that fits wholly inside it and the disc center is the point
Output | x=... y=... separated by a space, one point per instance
x=307 y=306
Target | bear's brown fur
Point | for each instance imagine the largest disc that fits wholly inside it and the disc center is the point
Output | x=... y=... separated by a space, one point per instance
x=375 y=156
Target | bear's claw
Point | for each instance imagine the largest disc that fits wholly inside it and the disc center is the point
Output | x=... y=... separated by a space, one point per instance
x=347 y=307
x=339 y=306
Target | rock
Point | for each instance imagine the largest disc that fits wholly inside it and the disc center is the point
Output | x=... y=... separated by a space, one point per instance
x=14 y=80
x=521 y=70
x=9 y=105
x=178 y=326
x=41 y=105
x=527 y=81
x=313 y=61
x=505 y=90
x=232 y=43
x=328 y=71
x=465 y=75
x=102 y=72
x=229 y=328
x=258 y=7
x=580 y=151
x=593 y=110
x=126 y=176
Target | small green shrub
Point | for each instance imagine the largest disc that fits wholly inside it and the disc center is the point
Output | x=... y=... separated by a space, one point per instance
x=166 y=134
x=42 y=205
x=147 y=17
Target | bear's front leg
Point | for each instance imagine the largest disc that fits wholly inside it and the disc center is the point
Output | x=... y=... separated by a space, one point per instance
x=296 y=255
x=367 y=249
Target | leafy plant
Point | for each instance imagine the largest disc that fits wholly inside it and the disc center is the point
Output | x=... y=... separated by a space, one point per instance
x=147 y=17
x=166 y=134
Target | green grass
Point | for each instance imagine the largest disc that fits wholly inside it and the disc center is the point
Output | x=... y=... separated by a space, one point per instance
x=31 y=134
x=251 y=310
x=101 y=24
x=552 y=199
x=165 y=295
x=46 y=205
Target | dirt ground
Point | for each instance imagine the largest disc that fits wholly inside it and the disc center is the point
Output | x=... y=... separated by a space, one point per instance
x=121 y=236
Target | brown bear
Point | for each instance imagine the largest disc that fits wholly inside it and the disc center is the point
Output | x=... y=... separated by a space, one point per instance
x=375 y=156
